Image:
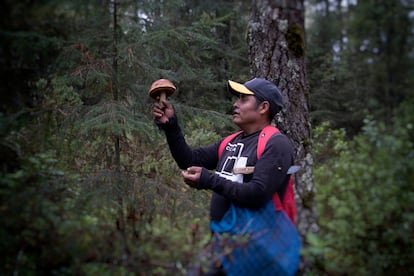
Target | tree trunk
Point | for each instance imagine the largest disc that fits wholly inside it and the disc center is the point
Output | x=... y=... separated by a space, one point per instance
x=276 y=42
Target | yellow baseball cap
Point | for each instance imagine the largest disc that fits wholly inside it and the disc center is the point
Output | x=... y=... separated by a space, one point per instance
x=262 y=89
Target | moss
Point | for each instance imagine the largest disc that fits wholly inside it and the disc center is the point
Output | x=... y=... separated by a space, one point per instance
x=306 y=143
x=295 y=40
x=307 y=199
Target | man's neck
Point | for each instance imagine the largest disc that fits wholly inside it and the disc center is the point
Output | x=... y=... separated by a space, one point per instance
x=254 y=128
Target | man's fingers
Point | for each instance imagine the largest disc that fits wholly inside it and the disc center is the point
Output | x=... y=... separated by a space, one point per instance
x=189 y=171
x=188 y=175
x=157 y=111
x=192 y=176
x=166 y=104
x=159 y=106
x=193 y=169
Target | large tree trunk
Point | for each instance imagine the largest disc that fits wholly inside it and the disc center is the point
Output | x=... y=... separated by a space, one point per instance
x=277 y=53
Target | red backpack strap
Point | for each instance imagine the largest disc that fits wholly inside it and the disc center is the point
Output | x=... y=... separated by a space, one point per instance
x=265 y=135
x=289 y=204
x=276 y=202
x=225 y=141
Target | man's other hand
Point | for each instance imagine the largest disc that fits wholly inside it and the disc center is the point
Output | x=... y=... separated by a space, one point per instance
x=192 y=176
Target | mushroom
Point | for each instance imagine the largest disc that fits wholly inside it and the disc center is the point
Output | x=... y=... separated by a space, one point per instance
x=162 y=88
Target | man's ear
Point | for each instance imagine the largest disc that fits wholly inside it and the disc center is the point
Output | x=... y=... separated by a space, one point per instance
x=264 y=107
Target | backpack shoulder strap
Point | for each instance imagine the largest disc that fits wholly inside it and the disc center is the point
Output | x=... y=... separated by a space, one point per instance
x=225 y=141
x=288 y=204
x=264 y=136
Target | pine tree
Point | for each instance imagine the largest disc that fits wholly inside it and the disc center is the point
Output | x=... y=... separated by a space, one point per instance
x=97 y=166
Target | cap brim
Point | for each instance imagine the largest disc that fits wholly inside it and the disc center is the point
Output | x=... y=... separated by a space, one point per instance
x=238 y=88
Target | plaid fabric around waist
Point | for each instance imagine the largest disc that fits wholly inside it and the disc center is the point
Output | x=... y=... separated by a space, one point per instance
x=257 y=242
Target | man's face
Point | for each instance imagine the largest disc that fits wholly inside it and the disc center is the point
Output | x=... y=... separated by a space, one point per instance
x=245 y=110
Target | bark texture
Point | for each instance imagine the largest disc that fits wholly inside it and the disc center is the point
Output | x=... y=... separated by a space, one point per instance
x=276 y=42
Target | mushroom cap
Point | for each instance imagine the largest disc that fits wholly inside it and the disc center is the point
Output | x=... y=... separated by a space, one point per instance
x=161 y=85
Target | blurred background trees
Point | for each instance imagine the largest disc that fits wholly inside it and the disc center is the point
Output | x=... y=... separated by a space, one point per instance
x=360 y=60
x=88 y=185
x=360 y=71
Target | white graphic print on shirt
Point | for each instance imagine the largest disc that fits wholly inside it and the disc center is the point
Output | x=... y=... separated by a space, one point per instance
x=234 y=160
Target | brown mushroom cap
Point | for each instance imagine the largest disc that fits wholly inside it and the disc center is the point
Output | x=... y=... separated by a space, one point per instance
x=161 y=85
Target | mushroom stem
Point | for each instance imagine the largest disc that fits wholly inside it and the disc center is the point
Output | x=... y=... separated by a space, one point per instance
x=163 y=97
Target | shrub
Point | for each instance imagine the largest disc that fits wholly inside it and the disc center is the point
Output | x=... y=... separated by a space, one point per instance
x=365 y=198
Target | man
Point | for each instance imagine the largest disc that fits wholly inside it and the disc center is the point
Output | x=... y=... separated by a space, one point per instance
x=258 y=102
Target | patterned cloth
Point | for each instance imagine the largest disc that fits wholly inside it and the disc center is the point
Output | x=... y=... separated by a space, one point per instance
x=257 y=242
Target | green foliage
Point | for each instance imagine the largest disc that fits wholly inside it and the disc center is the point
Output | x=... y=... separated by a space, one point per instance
x=60 y=94
x=88 y=185
x=29 y=199
x=365 y=198
x=360 y=60
x=57 y=223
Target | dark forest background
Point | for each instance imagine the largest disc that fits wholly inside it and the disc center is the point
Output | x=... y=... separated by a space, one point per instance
x=87 y=182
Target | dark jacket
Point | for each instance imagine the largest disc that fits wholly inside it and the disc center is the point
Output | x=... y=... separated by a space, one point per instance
x=251 y=191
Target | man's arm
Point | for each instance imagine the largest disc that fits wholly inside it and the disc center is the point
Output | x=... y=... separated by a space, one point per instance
x=184 y=156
